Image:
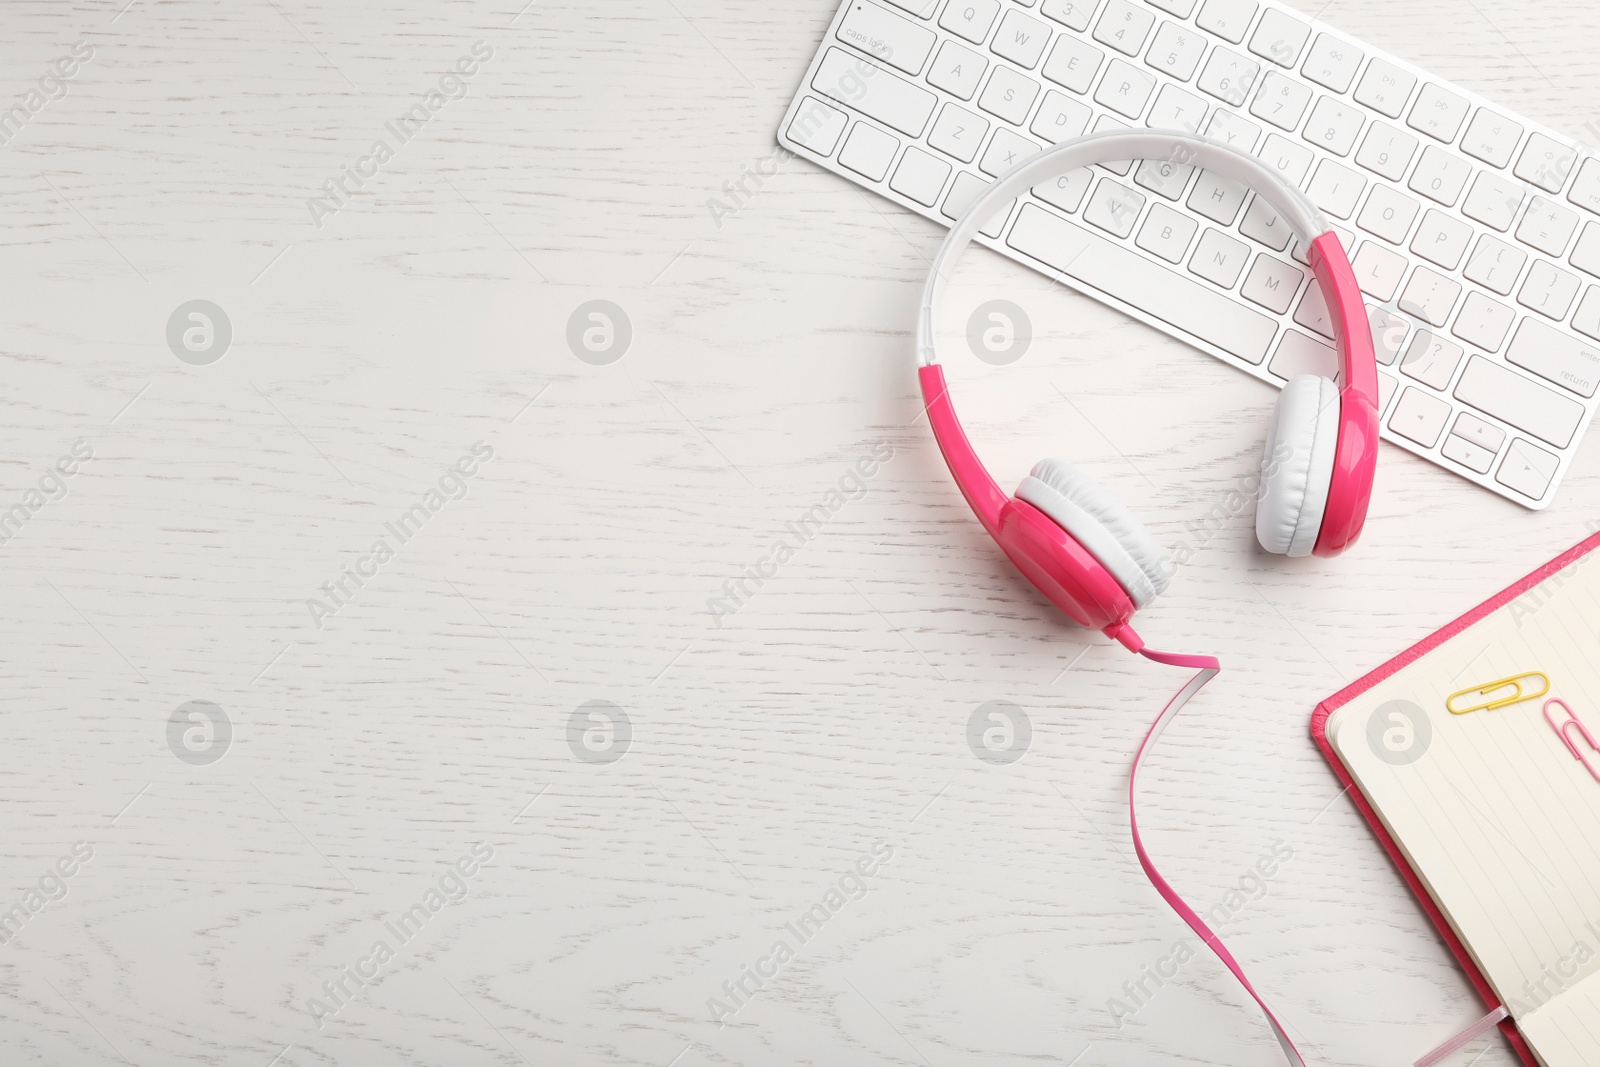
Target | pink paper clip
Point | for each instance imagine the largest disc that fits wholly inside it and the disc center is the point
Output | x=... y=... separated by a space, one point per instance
x=1562 y=728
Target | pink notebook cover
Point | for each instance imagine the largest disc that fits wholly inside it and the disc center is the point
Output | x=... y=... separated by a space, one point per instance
x=1319 y=732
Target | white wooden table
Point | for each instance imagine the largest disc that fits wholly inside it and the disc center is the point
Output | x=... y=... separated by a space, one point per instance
x=373 y=745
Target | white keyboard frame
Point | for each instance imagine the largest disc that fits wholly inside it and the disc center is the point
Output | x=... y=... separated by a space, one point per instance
x=1344 y=227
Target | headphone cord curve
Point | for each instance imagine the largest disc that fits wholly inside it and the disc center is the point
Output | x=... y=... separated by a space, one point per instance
x=1206 y=668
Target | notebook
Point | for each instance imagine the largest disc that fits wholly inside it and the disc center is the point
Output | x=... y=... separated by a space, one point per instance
x=1493 y=815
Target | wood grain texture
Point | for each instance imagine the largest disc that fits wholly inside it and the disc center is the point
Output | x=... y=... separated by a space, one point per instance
x=769 y=752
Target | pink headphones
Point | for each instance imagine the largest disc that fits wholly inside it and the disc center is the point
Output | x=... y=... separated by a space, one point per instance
x=1087 y=552
x=1083 y=549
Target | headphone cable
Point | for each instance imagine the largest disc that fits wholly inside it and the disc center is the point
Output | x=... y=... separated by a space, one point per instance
x=1206 y=668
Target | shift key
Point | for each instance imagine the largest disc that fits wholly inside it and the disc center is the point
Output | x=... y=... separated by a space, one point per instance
x=1511 y=398
x=1556 y=356
x=1108 y=267
x=874 y=92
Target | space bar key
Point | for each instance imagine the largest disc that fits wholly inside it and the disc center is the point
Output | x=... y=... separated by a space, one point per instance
x=1108 y=267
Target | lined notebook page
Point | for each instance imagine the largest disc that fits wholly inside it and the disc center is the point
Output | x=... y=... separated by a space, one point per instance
x=1496 y=816
x=1567 y=1030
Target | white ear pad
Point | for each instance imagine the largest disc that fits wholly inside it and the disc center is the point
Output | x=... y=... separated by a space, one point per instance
x=1297 y=465
x=1100 y=524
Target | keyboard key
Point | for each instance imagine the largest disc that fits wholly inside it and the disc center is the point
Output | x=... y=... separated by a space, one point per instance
x=1495 y=264
x=1527 y=469
x=1502 y=393
x=1386 y=151
x=886 y=36
x=1298 y=354
x=1114 y=207
x=1060 y=118
x=1176 y=51
x=1483 y=322
x=1378 y=270
x=1385 y=88
x=1419 y=417
x=1438 y=113
x=1227 y=19
x=1440 y=176
x=869 y=151
x=1279 y=37
x=1066 y=191
x=1163 y=176
x=970 y=18
x=1586 y=320
x=921 y=176
x=1180 y=8
x=817 y=126
x=1073 y=63
x=1442 y=239
x=1467 y=454
x=1548 y=290
x=1491 y=138
x=1167 y=233
x=966 y=189
x=1333 y=125
x=1233 y=130
x=884 y=96
x=1313 y=312
x=1021 y=39
x=1332 y=63
x=1586 y=253
x=1493 y=201
x=1388 y=334
x=1073 y=14
x=1586 y=189
x=1219 y=258
x=1485 y=435
x=1281 y=101
x=1263 y=223
x=1547 y=226
x=1228 y=76
x=1123 y=27
x=1176 y=110
x=1431 y=359
x=1272 y=283
x=957 y=70
x=1125 y=89
x=1388 y=214
x=1214 y=317
x=958 y=132
x=1009 y=95
x=1335 y=189
x=1291 y=160
x=1217 y=198
x=1006 y=150
x=1545 y=163
x=1556 y=357
x=1429 y=296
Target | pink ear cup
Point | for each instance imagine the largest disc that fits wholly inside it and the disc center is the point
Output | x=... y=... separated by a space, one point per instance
x=1100 y=522
x=1061 y=568
x=1053 y=560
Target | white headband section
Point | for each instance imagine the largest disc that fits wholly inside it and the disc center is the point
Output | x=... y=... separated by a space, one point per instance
x=1166 y=145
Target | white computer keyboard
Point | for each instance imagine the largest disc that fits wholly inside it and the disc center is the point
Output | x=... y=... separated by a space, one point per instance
x=1474 y=232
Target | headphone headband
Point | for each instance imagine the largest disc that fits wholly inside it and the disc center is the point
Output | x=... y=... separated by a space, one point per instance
x=1357 y=446
x=1170 y=145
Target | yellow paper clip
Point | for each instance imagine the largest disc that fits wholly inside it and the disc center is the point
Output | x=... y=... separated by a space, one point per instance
x=1498 y=694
